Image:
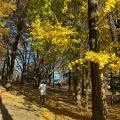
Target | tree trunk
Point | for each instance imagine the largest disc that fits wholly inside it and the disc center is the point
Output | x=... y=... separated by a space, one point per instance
x=23 y=73
x=83 y=80
x=14 y=48
x=49 y=77
x=112 y=89
x=87 y=89
x=69 y=81
x=98 y=109
x=3 y=71
x=77 y=87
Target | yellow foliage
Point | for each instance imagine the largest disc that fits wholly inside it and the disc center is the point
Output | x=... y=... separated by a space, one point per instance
x=72 y=64
x=58 y=34
x=5 y=10
x=102 y=58
x=65 y=5
x=109 y=5
x=46 y=9
x=4 y=32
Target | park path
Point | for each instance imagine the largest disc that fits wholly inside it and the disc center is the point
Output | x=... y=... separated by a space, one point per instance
x=22 y=103
x=15 y=107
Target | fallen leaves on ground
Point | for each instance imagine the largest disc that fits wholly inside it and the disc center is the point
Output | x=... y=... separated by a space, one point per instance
x=58 y=106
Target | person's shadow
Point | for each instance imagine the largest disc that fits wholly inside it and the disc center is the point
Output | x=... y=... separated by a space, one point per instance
x=4 y=112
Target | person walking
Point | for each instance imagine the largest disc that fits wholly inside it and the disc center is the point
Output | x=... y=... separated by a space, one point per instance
x=42 y=88
x=59 y=84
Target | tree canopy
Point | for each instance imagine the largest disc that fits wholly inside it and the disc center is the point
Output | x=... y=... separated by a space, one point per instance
x=78 y=36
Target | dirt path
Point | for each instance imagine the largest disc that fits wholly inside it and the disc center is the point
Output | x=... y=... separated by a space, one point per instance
x=22 y=103
x=14 y=107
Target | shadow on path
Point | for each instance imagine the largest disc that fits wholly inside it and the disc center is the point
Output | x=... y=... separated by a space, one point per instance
x=63 y=111
x=4 y=112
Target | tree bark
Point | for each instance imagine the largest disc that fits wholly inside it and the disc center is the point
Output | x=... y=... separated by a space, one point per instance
x=69 y=81
x=18 y=35
x=77 y=87
x=98 y=108
x=83 y=80
x=87 y=89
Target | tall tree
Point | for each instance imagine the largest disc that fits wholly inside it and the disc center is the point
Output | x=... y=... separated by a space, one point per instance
x=18 y=19
x=98 y=108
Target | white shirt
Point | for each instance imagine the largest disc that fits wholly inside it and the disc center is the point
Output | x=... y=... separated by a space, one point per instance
x=42 y=88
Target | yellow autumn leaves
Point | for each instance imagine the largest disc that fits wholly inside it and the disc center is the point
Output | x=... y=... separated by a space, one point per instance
x=110 y=4
x=102 y=58
x=5 y=10
x=65 y=5
x=58 y=34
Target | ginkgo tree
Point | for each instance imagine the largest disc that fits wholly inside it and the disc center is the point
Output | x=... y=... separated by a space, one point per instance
x=56 y=33
x=59 y=32
x=63 y=28
x=49 y=34
x=105 y=60
x=107 y=55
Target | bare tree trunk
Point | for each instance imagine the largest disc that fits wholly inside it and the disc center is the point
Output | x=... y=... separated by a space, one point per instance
x=87 y=89
x=3 y=70
x=28 y=63
x=49 y=74
x=14 y=47
x=83 y=80
x=69 y=82
x=104 y=89
x=77 y=87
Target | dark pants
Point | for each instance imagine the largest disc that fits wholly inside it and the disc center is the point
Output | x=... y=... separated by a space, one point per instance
x=59 y=85
x=42 y=97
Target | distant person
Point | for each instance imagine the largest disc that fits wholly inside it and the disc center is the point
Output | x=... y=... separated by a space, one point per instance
x=59 y=84
x=109 y=87
x=42 y=89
